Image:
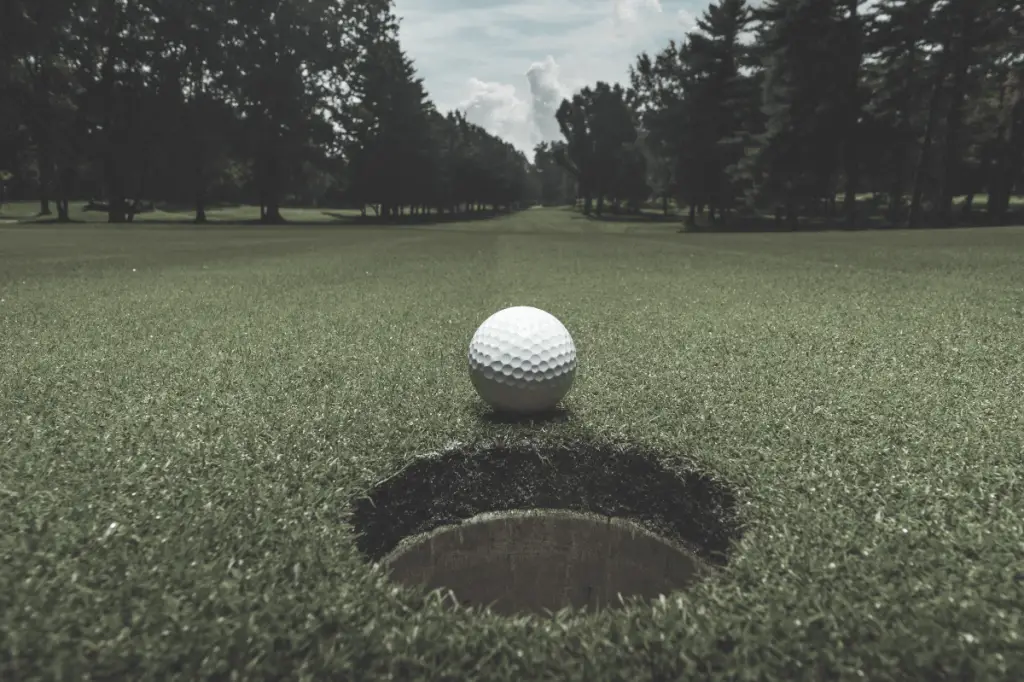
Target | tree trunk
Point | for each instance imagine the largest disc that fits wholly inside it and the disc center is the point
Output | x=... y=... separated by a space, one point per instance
x=67 y=178
x=965 y=210
x=903 y=132
x=272 y=207
x=199 y=136
x=273 y=215
x=1009 y=161
x=995 y=157
x=44 y=198
x=199 y=179
x=45 y=170
x=895 y=208
x=42 y=126
x=116 y=211
x=851 y=158
x=955 y=117
x=140 y=190
x=913 y=218
x=200 y=207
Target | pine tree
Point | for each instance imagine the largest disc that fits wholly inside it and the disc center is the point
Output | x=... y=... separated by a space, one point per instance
x=799 y=152
x=718 y=98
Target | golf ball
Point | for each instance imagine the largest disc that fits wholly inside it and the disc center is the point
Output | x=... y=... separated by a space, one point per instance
x=522 y=360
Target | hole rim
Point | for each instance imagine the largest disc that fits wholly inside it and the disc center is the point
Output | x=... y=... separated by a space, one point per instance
x=454 y=484
x=412 y=563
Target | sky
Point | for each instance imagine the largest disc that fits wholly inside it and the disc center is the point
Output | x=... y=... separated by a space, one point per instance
x=509 y=63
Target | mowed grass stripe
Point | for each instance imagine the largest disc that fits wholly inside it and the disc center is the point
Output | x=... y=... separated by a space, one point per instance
x=868 y=416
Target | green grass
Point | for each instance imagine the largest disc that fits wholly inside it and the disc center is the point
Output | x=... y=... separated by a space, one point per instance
x=188 y=414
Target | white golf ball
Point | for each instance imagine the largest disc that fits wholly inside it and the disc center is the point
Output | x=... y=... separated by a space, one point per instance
x=522 y=360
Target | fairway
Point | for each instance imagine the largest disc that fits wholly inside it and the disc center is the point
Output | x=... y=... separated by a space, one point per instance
x=189 y=415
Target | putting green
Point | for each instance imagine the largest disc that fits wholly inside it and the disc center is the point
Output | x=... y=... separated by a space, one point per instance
x=190 y=416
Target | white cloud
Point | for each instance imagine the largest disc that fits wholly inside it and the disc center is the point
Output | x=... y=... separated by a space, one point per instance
x=509 y=63
x=546 y=93
x=498 y=108
x=522 y=120
x=629 y=10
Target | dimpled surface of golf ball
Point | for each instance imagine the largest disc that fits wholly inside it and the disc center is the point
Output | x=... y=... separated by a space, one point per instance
x=522 y=360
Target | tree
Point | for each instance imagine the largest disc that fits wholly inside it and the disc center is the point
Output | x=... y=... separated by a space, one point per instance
x=556 y=183
x=40 y=78
x=291 y=53
x=717 y=99
x=391 y=144
x=658 y=92
x=850 y=46
x=287 y=100
x=895 y=43
x=1002 y=158
x=698 y=104
x=577 y=154
x=968 y=24
x=600 y=131
x=803 y=96
x=193 y=122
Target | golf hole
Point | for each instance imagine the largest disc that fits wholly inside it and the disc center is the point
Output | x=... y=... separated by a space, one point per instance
x=531 y=527
x=544 y=560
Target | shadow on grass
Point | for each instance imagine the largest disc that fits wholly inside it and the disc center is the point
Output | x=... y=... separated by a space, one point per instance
x=749 y=224
x=432 y=219
x=759 y=224
x=629 y=218
x=24 y=223
x=334 y=220
x=558 y=415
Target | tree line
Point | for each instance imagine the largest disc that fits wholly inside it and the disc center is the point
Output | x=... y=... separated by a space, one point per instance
x=792 y=104
x=796 y=107
x=305 y=102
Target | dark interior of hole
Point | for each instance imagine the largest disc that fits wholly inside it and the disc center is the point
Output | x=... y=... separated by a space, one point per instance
x=688 y=507
x=544 y=562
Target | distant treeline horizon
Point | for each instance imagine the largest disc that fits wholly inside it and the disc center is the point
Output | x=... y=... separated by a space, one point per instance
x=778 y=108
